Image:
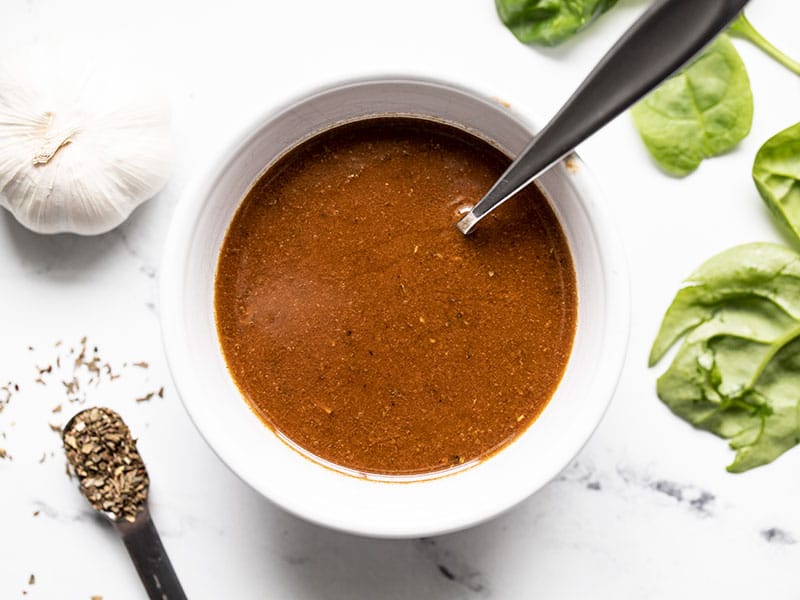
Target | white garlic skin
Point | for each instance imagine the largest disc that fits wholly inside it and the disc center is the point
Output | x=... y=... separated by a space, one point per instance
x=80 y=147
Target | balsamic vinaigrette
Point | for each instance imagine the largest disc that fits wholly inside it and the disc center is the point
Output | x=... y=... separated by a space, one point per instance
x=361 y=324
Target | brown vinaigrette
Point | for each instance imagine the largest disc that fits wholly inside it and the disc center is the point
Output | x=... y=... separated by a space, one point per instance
x=360 y=323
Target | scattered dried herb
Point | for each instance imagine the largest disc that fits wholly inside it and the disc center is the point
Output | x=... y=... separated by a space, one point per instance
x=72 y=387
x=7 y=391
x=69 y=374
x=103 y=455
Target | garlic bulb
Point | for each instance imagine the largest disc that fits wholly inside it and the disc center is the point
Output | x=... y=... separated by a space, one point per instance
x=80 y=147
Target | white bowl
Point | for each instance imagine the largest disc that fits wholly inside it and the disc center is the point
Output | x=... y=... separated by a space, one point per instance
x=361 y=505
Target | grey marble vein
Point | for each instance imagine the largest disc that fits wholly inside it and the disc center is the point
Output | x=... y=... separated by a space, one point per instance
x=453 y=567
x=778 y=536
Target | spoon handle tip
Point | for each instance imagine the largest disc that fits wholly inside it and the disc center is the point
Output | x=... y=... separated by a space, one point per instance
x=150 y=558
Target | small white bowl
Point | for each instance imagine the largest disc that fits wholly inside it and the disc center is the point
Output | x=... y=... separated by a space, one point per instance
x=361 y=505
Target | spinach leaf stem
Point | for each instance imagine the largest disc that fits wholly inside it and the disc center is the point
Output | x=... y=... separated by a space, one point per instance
x=742 y=28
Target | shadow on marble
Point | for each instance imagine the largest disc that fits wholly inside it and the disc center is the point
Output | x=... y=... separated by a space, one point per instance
x=66 y=256
x=322 y=563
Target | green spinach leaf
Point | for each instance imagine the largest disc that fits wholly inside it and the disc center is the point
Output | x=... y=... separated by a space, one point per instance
x=776 y=171
x=737 y=372
x=703 y=111
x=549 y=22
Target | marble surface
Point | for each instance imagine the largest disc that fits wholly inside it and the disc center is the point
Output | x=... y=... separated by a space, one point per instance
x=646 y=510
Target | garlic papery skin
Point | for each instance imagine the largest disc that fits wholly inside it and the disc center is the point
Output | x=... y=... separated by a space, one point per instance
x=80 y=146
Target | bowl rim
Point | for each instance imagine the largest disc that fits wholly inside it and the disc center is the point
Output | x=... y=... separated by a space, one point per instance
x=175 y=255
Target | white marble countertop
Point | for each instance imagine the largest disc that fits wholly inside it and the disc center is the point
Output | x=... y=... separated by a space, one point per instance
x=646 y=510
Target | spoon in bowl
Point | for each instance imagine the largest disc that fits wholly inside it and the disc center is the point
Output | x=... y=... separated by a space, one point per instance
x=113 y=478
x=665 y=37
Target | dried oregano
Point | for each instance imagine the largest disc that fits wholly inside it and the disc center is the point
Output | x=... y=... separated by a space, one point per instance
x=104 y=457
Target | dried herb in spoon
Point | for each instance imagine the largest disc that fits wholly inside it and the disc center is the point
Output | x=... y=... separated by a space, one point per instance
x=113 y=478
x=103 y=455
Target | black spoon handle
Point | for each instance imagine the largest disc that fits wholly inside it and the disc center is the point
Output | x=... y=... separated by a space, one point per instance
x=667 y=35
x=151 y=560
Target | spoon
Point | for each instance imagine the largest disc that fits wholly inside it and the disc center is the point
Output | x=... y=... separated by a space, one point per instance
x=665 y=37
x=113 y=478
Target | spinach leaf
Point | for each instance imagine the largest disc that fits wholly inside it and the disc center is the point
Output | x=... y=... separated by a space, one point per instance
x=737 y=372
x=703 y=111
x=742 y=28
x=549 y=22
x=776 y=171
